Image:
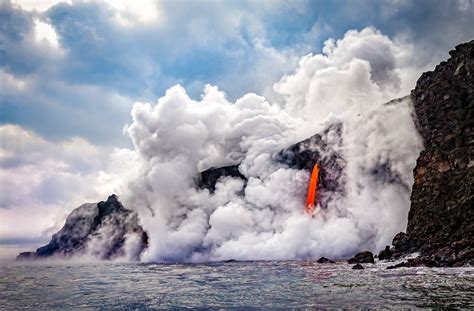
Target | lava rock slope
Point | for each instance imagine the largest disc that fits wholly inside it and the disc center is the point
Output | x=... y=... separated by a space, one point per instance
x=105 y=230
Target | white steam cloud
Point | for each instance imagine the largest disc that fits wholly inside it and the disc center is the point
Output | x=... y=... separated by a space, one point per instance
x=179 y=137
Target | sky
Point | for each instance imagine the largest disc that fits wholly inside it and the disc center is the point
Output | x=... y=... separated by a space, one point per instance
x=71 y=71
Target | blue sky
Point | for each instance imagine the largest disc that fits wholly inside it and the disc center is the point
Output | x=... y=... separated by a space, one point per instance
x=71 y=71
x=86 y=84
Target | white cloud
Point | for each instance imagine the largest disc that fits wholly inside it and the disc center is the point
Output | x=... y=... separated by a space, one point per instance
x=44 y=32
x=38 y=5
x=42 y=181
x=128 y=12
x=363 y=68
x=11 y=83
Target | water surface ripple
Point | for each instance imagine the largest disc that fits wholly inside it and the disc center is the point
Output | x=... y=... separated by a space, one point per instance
x=270 y=284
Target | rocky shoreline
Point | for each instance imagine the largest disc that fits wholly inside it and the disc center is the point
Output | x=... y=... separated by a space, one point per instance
x=441 y=218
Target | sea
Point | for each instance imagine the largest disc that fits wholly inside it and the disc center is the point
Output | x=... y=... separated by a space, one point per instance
x=230 y=285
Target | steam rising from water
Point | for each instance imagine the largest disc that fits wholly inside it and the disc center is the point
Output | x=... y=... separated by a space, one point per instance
x=178 y=137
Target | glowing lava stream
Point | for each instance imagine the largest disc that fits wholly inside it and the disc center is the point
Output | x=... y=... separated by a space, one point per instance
x=310 y=201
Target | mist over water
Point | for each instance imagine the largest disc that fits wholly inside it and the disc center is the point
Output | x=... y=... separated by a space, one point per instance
x=264 y=219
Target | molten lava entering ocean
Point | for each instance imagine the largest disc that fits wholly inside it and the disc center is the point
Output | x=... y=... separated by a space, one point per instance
x=310 y=201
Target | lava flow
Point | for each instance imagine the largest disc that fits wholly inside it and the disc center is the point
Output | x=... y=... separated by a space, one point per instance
x=310 y=201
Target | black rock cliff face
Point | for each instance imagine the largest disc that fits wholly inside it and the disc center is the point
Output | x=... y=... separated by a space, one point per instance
x=440 y=221
x=100 y=230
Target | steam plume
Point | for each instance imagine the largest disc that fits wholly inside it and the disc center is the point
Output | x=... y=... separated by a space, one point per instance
x=264 y=219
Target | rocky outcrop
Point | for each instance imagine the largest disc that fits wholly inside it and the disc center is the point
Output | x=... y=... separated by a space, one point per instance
x=362 y=257
x=440 y=221
x=105 y=230
x=385 y=254
x=325 y=260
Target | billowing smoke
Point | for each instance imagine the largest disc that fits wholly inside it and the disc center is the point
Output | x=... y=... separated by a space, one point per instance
x=264 y=217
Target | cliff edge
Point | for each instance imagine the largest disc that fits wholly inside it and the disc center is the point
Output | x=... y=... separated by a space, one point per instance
x=440 y=221
x=104 y=230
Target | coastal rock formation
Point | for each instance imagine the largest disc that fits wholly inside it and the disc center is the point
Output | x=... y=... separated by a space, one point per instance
x=358 y=267
x=362 y=257
x=325 y=260
x=105 y=230
x=385 y=254
x=441 y=218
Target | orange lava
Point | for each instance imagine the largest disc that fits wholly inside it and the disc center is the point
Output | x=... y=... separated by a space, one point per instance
x=310 y=201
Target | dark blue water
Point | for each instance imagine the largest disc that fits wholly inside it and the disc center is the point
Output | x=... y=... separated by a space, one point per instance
x=231 y=285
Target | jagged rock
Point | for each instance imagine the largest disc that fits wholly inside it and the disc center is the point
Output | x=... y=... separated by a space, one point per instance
x=440 y=221
x=27 y=256
x=358 y=267
x=325 y=260
x=362 y=257
x=398 y=265
x=401 y=242
x=385 y=254
x=103 y=230
x=416 y=262
x=230 y=260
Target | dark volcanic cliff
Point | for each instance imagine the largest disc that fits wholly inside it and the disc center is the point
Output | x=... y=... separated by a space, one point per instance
x=105 y=230
x=440 y=221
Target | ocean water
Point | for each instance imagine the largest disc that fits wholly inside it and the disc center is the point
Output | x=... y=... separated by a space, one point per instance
x=242 y=285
